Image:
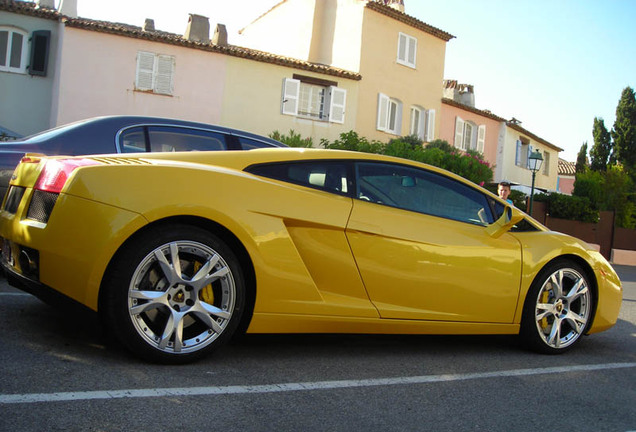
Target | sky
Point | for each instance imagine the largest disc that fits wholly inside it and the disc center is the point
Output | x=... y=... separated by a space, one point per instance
x=553 y=64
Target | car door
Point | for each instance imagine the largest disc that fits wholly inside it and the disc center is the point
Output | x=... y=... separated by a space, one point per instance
x=420 y=242
x=314 y=214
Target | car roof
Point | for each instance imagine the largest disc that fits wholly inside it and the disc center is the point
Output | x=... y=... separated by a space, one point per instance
x=101 y=131
x=237 y=161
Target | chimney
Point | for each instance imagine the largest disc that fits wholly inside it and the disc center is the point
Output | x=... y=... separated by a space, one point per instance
x=323 y=32
x=467 y=95
x=395 y=4
x=462 y=93
x=220 y=35
x=198 y=29
x=68 y=8
x=45 y=4
x=149 y=25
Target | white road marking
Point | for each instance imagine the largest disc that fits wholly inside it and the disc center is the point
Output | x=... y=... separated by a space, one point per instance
x=289 y=387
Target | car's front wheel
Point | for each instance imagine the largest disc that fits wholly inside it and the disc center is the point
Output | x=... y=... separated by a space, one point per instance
x=558 y=309
x=174 y=294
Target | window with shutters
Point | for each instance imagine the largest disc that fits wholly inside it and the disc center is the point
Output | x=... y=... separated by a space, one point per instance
x=155 y=73
x=546 y=163
x=422 y=123
x=469 y=136
x=407 y=50
x=313 y=98
x=389 y=114
x=13 y=50
x=522 y=153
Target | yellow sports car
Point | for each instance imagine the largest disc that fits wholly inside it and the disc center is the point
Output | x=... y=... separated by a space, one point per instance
x=179 y=251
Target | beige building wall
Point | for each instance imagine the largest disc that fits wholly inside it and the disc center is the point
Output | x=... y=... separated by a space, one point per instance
x=253 y=98
x=321 y=31
x=98 y=74
x=546 y=177
x=381 y=73
x=286 y=29
x=347 y=34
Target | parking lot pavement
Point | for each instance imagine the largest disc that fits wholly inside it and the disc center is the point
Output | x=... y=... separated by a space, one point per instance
x=61 y=372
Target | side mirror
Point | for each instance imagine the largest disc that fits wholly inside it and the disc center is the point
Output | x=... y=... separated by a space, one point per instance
x=508 y=219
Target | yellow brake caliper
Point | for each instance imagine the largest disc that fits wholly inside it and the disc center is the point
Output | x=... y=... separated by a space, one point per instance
x=206 y=294
x=545 y=295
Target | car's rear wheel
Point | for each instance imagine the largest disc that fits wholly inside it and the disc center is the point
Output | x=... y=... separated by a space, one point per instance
x=558 y=309
x=174 y=294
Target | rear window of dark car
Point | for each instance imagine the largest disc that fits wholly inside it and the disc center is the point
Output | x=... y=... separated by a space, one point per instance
x=249 y=144
x=168 y=139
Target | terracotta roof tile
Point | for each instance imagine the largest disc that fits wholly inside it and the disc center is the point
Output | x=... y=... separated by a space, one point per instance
x=28 y=8
x=232 y=50
x=484 y=113
x=533 y=136
x=509 y=123
x=408 y=19
x=567 y=168
x=127 y=30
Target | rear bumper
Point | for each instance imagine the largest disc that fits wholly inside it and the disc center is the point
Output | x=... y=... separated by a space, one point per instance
x=70 y=252
x=45 y=293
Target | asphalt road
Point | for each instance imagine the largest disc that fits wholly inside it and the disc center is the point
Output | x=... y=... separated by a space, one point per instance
x=59 y=372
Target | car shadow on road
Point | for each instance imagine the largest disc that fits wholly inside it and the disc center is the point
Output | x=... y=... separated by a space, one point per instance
x=59 y=332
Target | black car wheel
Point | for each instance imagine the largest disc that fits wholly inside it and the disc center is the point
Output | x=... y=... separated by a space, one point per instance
x=558 y=308
x=174 y=294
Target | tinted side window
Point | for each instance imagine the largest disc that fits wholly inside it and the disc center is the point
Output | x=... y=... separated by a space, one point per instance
x=421 y=191
x=325 y=175
x=166 y=139
x=249 y=144
x=133 y=140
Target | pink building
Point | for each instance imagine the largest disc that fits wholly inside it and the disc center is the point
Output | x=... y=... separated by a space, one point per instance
x=567 y=172
x=469 y=128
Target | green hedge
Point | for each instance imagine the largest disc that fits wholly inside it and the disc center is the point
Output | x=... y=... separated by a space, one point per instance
x=569 y=207
x=438 y=153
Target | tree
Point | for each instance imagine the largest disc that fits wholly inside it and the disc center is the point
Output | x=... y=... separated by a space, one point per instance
x=624 y=131
x=293 y=139
x=608 y=190
x=589 y=184
x=617 y=188
x=581 y=159
x=600 y=151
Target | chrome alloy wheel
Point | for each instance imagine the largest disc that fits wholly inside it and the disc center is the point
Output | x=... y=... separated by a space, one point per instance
x=181 y=297
x=563 y=308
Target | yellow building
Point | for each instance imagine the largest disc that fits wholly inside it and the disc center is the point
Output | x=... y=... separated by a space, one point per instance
x=400 y=59
x=515 y=146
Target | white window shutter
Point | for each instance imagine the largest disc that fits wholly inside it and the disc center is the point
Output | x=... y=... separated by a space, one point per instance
x=481 y=138
x=164 y=74
x=421 y=125
x=383 y=112
x=430 y=125
x=528 y=156
x=145 y=70
x=402 y=47
x=396 y=128
x=412 y=51
x=459 y=132
x=415 y=121
x=291 y=93
x=518 y=153
x=337 y=104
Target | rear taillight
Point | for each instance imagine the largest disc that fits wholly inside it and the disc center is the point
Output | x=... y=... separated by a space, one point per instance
x=57 y=171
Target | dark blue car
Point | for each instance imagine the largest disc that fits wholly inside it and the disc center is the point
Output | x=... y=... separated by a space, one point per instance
x=126 y=134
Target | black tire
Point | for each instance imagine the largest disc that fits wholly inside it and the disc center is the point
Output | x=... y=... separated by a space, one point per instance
x=558 y=309
x=174 y=315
